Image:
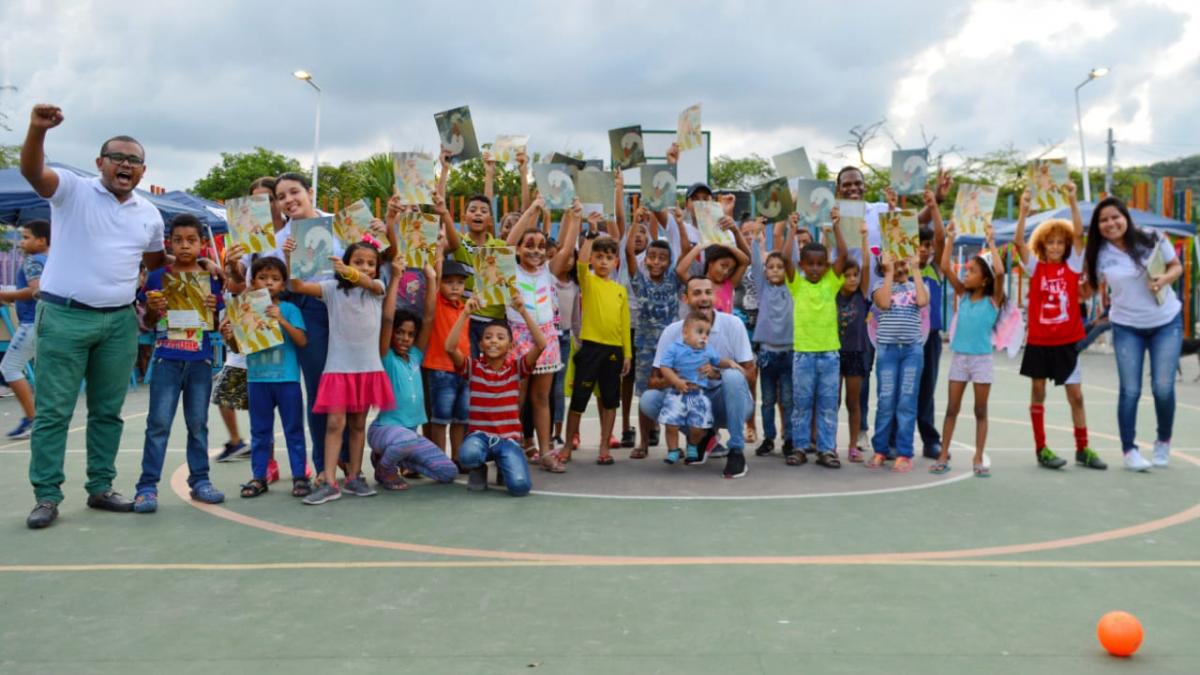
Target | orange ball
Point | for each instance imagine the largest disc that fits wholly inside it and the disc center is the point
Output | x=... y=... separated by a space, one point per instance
x=1120 y=633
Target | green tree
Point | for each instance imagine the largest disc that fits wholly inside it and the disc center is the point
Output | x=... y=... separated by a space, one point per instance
x=741 y=173
x=823 y=172
x=237 y=170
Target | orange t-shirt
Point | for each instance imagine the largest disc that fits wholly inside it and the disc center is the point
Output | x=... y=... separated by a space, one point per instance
x=444 y=316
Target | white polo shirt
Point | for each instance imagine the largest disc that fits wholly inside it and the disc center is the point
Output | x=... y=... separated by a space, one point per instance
x=98 y=242
x=728 y=338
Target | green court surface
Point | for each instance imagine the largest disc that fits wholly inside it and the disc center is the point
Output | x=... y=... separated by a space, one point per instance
x=634 y=568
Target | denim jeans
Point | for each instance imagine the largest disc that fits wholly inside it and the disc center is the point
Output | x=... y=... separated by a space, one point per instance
x=898 y=373
x=926 y=425
x=816 y=377
x=558 y=400
x=1130 y=344
x=265 y=397
x=731 y=406
x=775 y=379
x=864 y=396
x=447 y=397
x=479 y=448
x=170 y=380
x=312 y=366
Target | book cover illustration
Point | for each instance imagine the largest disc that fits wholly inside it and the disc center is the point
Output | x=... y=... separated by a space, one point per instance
x=458 y=134
x=910 y=172
x=314 y=246
x=187 y=297
x=899 y=230
x=1154 y=267
x=659 y=185
x=708 y=218
x=973 y=207
x=250 y=221
x=506 y=148
x=252 y=328
x=418 y=236
x=352 y=222
x=814 y=203
x=688 y=135
x=416 y=177
x=495 y=274
x=794 y=164
x=1046 y=180
x=555 y=185
x=773 y=200
x=628 y=148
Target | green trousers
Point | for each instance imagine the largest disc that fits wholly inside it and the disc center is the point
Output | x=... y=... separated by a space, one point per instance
x=74 y=344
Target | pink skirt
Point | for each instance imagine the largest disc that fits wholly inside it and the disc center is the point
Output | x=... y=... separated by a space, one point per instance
x=354 y=393
x=550 y=360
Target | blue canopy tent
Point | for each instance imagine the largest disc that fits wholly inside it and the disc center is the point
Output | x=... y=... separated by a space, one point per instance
x=188 y=199
x=20 y=203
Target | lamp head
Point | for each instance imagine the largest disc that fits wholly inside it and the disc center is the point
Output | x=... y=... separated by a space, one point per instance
x=307 y=76
x=1098 y=72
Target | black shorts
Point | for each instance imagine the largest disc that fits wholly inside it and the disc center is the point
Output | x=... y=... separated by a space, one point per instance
x=597 y=365
x=1049 y=363
x=632 y=358
x=853 y=363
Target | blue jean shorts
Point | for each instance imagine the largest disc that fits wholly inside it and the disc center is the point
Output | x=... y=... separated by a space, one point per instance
x=447 y=397
x=692 y=410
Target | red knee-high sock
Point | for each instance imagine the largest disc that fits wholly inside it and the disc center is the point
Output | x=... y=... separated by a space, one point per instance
x=1037 y=416
x=1081 y=439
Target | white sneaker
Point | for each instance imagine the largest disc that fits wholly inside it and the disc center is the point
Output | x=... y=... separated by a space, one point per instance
x=1162 y=453
x=987 y=461
x=1135 y=462
x=5 y=392
x=864 y=441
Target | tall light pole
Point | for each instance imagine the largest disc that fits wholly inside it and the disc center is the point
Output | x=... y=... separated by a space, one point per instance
x=1079 y=118
x=307 y=77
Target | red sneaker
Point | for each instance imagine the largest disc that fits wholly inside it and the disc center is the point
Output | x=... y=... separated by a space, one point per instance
x=308 y=471
x=272 y=471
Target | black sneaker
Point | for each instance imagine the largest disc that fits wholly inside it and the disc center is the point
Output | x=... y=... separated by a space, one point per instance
x=767 y=447
x=1048 y=459
x=42 y=515
x=477 y=478
x=787 y=447
x=653 y=442
x=628 y=438
x=932 y=451
x=232 y=451
x=110 y=500
x=735 y=465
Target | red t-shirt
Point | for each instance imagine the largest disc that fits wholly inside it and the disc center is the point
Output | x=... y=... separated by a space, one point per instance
x=494 y=402
x=1054 y=303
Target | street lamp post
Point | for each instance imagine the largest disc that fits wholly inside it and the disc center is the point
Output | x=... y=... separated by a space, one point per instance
x=307 y=77
x=1092 y=75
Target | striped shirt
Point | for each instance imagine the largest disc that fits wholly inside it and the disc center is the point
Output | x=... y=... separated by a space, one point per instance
x=494 y=402
x=901 y=323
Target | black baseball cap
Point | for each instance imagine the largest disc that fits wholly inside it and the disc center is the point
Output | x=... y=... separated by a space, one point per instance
x=696 y=187
x=453 y=268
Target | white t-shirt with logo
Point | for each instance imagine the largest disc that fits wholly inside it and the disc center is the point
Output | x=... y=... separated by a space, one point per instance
x=1132 y=302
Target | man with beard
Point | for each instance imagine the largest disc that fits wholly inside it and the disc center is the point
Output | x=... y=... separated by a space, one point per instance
x=728 y=391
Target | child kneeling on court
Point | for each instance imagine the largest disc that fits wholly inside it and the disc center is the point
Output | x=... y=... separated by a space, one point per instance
x=494 y=431
x=685 y=404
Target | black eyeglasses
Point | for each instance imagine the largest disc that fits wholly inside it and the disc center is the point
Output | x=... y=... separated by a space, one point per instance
x=119 y=157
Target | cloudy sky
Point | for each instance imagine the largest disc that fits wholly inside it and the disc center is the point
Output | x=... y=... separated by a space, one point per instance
x=194 y=79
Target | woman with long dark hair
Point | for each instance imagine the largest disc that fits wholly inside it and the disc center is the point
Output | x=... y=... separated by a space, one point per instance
x=1139 y=267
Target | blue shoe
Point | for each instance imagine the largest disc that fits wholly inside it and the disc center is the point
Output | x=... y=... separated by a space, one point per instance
x=232 y=451
x=206 y=493
x=692 y=455
x=146 y=501
x=23 y=430
x=673 y=456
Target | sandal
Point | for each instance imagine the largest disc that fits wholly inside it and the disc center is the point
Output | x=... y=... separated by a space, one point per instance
x=982 y=471
x=605 y=460
x=639 y=453
x=254 y=488
x=532 y=455
x=796 y=459
x=855 y=455
x=301 y=487
x=829 y=460
x=940 y=468
x=552 y=463
x=902 y=465
x=876 y=461
x=750 y=435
